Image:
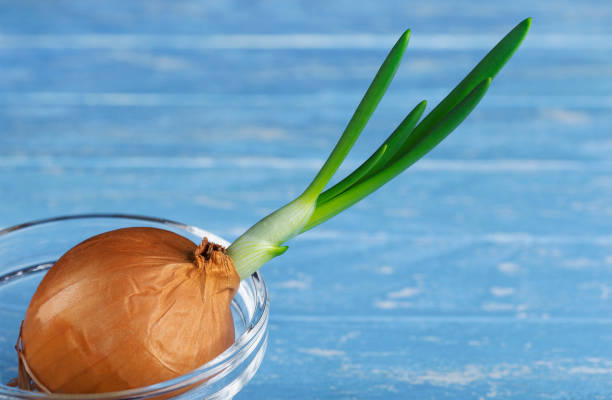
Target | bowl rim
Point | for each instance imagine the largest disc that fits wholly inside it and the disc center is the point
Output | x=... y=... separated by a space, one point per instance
x=212 y=370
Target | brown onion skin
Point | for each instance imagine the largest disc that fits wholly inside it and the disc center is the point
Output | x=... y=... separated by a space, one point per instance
x=126 y=309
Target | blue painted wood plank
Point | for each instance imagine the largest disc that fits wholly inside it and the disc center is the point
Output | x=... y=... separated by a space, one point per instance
x=68 y=16
x=470 y=358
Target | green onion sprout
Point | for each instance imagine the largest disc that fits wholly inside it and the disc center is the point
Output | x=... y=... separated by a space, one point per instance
x=410 y=141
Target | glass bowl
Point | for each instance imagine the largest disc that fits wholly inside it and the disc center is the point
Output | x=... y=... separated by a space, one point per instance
x=28 y=250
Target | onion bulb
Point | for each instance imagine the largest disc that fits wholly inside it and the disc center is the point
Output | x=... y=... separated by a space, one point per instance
x=128 y=308
x=137 y=306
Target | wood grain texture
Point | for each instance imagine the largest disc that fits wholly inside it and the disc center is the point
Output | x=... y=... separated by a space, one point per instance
x=482 y=272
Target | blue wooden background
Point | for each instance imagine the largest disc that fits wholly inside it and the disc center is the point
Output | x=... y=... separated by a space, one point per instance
x=485 y=271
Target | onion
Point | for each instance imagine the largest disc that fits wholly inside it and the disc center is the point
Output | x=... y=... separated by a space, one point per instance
x=128 y=308
x=137 y=306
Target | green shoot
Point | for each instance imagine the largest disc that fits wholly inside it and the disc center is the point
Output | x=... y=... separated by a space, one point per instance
x=406 y=145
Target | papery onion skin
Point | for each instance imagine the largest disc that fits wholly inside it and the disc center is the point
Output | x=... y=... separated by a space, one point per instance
x=126 y=309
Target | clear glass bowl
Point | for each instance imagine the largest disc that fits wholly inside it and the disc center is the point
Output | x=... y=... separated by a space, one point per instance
x=28 y=250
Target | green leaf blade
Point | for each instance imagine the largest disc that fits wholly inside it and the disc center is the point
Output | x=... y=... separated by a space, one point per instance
x=445 y=126
x=362 y=114
x=488 y=67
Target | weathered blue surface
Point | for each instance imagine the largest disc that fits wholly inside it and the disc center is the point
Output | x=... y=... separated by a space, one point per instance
x=483 y=272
